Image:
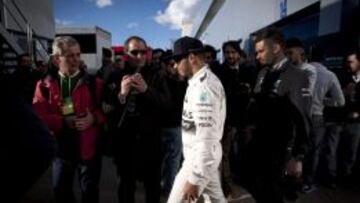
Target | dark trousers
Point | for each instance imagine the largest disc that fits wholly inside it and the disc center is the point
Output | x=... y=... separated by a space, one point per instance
x=265 y=171
x=266 y=183
x=63 y=178
x=137 y=156
x=172 y=154
x=356 y=168
x=226 y=176
x=350 y=139
x=329 y=152
x=317 y=140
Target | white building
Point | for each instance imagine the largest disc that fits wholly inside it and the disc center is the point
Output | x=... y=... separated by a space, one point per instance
x=324 y=22
x=93 y=41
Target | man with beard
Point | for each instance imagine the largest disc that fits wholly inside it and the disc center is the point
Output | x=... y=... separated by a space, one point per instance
x=238 y=78
x=281 y=136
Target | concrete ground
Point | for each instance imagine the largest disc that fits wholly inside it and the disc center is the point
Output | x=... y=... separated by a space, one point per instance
x=42 y=191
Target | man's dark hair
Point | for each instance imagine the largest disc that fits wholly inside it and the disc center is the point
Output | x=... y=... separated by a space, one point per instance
x=211 y=49
x=158 y=50
x=294 y=42
x=272 y=34
x=235 y=44
x=356 y=51
x=166 y=57
x=136 y=38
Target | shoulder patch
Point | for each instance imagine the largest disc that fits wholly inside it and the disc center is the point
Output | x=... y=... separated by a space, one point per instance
x=203 y=77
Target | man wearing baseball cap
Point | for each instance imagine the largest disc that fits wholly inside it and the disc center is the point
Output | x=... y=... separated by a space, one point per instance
x=203 y=120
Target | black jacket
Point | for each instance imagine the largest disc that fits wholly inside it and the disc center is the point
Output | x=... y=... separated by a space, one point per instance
x=238 y=85
x=144 y=109
x=172 y=115
x=282 y=126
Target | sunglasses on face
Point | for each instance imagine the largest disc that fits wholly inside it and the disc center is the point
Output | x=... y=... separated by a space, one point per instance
x=136 y=52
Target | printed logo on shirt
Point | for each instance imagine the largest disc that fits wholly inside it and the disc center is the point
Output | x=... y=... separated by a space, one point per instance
x=187 y=121
x=187 y=114
x=206 y=121
x=204 y=97
x=205 y=118
x=205 y=125
x=188 y=125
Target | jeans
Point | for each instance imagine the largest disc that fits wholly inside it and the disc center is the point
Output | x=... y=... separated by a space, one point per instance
x=226 y=176
x=350 y=139
x=317 y=140
x=63 y=178
x=328 y=166
x=172 y=152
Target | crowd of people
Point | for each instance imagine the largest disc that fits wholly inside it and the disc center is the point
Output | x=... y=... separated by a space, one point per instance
x=190 y=127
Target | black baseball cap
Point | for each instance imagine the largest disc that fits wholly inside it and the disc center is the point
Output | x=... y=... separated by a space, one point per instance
x=186 y=45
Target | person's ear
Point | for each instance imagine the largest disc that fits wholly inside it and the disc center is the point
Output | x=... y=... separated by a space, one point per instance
x=276 y=48
x=56 y=59
x=192 y=58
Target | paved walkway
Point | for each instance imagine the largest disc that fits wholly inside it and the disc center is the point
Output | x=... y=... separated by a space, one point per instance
x=42 y=192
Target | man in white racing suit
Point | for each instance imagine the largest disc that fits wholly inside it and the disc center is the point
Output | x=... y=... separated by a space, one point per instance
x=203 y=120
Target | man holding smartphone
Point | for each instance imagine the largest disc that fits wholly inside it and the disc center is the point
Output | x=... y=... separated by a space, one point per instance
x=136 y=95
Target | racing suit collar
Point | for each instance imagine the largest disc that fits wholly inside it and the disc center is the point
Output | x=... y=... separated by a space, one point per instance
x=197 y=75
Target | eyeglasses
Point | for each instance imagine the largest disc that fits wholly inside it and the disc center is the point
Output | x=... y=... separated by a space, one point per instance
x=135 y=52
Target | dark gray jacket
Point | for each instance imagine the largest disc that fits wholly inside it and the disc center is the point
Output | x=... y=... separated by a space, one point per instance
x=283 y=103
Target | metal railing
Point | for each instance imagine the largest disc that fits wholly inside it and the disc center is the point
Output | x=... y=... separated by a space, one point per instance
x=30 y=32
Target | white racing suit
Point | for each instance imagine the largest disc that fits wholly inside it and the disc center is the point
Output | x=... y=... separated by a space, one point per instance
x=203 y=120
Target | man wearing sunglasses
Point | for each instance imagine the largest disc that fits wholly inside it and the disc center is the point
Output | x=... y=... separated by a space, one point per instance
x=137 y=93
x=203 y=120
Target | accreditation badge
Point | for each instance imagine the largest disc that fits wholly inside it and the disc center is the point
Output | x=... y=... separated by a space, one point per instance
x=67 y=107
